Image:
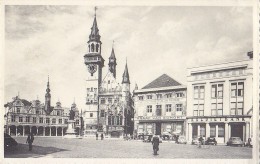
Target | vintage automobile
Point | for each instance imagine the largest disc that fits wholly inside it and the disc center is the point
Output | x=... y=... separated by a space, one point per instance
x=9 y=142
x=147 y=138
x=166 y=136
x=236 y=141
x=181 y=140
x=195 y=141
x=211 y=141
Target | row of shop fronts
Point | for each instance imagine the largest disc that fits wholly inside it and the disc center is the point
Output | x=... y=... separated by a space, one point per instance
x=221 y=128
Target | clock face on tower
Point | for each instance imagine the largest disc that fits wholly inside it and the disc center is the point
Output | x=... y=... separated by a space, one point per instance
x=92 y=68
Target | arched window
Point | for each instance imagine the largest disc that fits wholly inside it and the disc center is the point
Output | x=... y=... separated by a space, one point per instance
x=92 y=47
x=97 y=47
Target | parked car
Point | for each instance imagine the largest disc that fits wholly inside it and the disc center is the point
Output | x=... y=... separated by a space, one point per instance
x=182 y=140
x=235 y=141
x=9 y=141
x=195 y=141
x=211 y=141
x=166 y=136
x=147 y=138
x=249 y=142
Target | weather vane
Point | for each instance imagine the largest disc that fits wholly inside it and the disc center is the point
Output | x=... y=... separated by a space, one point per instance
x=95 y=10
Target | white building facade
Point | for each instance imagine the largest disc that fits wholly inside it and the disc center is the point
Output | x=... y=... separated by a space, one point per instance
x=219 y=101
x=160 y=107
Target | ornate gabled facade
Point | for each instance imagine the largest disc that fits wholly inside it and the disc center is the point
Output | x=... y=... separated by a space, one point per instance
x=23 y=117
x=109 y=107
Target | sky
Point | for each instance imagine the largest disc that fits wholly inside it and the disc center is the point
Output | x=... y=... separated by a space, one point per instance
x=52 y=40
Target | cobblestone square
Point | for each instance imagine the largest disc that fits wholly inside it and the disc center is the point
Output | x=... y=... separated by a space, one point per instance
x=51 y=147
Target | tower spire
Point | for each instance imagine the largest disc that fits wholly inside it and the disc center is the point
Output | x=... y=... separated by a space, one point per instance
x=94 y=35
x=126 y=75
x=112 y=61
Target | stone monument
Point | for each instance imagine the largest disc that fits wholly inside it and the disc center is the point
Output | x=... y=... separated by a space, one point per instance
x=71 y=133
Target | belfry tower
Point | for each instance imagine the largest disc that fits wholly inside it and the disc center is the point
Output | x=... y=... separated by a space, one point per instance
x=94 y=62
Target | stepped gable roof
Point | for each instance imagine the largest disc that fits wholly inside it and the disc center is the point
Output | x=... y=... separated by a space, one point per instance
x=162 y=81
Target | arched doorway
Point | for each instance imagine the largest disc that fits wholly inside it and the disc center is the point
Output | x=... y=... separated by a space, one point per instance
x=59 y=131
x=19 y=130
x=12 y=130
x=64 y=131
x=53 y=131
x=40 y=131
x=34 y=130
x=47 y=131
x=26 y=130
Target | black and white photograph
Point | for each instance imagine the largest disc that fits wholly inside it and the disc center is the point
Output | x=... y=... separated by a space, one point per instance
x=146 y=82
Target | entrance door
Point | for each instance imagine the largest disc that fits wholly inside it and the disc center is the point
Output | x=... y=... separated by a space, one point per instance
x=158 y=128
x=194 y=131
x=237 y=131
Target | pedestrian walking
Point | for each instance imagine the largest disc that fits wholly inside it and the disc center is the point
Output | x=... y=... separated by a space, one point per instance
x=102 y=136
x=96 y=136
x=29 y=140
x=155 y=143
x=201 y=141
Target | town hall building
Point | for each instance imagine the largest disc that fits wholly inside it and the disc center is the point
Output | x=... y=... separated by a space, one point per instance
x=109 y=108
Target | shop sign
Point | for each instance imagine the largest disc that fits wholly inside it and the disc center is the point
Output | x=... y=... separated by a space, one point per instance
x=219 y=119
x=161 y=118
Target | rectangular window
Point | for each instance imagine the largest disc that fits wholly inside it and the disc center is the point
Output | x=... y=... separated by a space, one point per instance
x=41 y=120
x=121 y=120
x=109 y=120
x=110 y=100
x=18 y=110
x=149 y=96
x=240 y=89
x=220 y=90
x=158 y=110
x=168 y=107
x=233 y=89
x=13 y=118
x=159 y=96
x=54 y=120
x=66 y=121
x=179 y=94
x=37 y=111
x=103 y=101
x=196 y=92
x=178 y=107
x=221 y=131
x=213 y=109
x=58 y=113
x=201 y=92
x=213 y=131
x=214 y=91
x=20 y=119
x=60 y=121
x=195 y=109
x=168 y=95
x=140 y=97
x=77 y=122
x=27 y=119
x=233 y=108
x=240 y=108
x=149 y=109
x=102 y=113
x=47 y=120
x=34 y=119
x=201 y=109
x=220 y=109
x=90 y=114
x=198 y=109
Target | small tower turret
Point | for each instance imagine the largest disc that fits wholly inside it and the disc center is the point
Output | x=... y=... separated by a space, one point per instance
x=112 y=63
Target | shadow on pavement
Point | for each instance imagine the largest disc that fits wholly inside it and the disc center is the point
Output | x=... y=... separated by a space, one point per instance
x=22 y=151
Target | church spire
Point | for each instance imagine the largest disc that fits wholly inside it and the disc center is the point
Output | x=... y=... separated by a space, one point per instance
x=126 y=75
x=48 y=98
x=94 y=35
x=112 y=62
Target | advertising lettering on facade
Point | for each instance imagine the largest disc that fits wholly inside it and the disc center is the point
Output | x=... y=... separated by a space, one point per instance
x=219 y=119
x=161 y=118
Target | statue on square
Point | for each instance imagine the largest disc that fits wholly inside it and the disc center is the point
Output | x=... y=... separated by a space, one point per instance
x=72 y=114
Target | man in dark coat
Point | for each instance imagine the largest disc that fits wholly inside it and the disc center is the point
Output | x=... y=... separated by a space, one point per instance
x=102 y=136
x=29 y=140
x=96 y=136
x=155 y=143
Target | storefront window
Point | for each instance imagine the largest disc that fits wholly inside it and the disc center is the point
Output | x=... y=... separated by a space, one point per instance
x=149 y=129
x=213 y=131
x=202 y=130
x=140 y=128
x=221 y=131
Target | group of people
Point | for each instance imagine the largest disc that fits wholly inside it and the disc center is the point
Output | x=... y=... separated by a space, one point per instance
x=101 y=136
